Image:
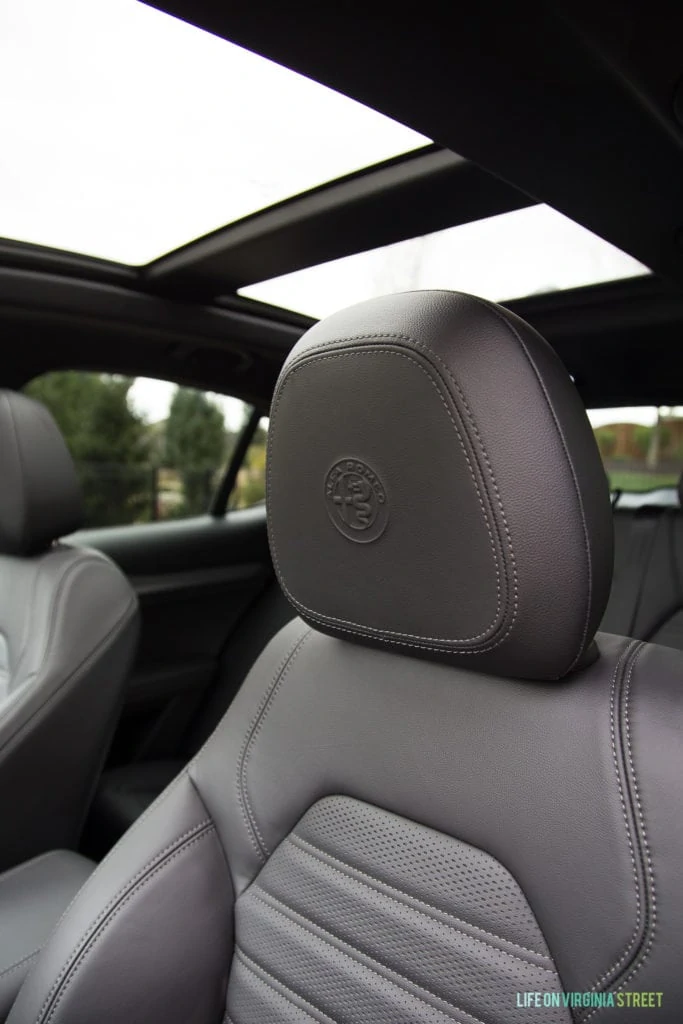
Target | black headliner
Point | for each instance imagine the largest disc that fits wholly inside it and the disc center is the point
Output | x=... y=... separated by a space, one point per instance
x=572 y=103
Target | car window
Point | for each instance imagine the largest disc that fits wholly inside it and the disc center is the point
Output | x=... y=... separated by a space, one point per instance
x=146 y=450
x=641 y=447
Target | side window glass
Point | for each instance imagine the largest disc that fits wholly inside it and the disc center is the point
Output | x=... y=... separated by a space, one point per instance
x=641 y=447
x=145 y=450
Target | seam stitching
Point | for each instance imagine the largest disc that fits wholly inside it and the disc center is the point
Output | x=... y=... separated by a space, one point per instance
x=389 y=635
x=431 y=354
x=19 y=963
x=134 y=827
x=616 y=675
x=359 y=963
x=103 y=913
x=627 y=655
x=255 y=726
x=351 y=868
x=132 y=893
x=647 y=853
x=579 y=499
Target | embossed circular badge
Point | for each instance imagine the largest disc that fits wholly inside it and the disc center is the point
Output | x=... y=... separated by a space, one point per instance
x=356 y=500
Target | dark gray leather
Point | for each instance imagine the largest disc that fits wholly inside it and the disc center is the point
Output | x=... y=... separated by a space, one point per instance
x=40 y=498
x=68 y=631
x=149 y=937
x=573 y=789
x=33 y=896
x=476 y=460
x=372 y=837
x=384 y=921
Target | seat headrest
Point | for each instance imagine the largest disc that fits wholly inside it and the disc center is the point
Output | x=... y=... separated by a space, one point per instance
x=434 y=487
x=40 y=497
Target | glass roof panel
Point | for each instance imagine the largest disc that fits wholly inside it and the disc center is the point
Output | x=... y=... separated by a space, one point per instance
x=126 y=132
x=525 y=252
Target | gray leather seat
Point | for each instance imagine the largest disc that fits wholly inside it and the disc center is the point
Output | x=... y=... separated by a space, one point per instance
x=33 y=896
x=68 y=628
x=438 y=792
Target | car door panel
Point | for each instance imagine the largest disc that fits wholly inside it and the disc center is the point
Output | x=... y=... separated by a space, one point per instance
x=194 y=579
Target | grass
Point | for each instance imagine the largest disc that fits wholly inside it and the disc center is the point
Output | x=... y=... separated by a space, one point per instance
x=633 y=481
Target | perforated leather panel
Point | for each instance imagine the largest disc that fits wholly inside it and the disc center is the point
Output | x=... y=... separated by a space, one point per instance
x=363 y=916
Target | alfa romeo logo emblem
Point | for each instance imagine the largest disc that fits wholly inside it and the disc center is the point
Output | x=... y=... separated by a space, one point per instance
x=356 y=500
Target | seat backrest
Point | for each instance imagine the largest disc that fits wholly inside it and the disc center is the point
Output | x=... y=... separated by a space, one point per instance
x=436 y=797
x=68 y=627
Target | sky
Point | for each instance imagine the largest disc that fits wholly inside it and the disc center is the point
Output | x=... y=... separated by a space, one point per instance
x=126 y=133
x=152 y=399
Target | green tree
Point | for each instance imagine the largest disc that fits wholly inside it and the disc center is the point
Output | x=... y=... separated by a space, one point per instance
x=195 y=446
x=107 y=439
x=607 y=441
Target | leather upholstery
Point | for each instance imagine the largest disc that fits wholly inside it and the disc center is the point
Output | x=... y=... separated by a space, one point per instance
x=33 y=897
x=360 y=816
x=40 y=498
x=68 y=629
x=413 y=921
x=459 y=429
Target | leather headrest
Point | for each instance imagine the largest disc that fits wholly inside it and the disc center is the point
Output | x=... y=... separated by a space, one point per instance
x=434 y=487
x=40 y=497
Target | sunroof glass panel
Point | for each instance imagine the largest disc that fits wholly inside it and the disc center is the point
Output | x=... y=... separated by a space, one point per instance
x=526 y=252
x=126 y=133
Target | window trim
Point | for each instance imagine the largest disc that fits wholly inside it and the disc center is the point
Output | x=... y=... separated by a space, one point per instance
x=219 y=503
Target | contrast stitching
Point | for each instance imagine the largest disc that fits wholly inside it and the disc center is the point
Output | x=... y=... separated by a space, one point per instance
x=163 y=796
x=112 y=902
x=97 y=935
x=626 y=654
x=387 y=351
x=458 y=920
x=246 y=809
x=579 y=500
x=649 y=869
x=384 y=633
x=19 y=963
x=470 y=416
x=256 y=969
x=359 y=963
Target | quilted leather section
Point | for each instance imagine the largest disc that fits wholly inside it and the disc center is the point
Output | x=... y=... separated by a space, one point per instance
x=361 y=915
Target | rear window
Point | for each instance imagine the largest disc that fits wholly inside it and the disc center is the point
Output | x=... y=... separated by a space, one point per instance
x=641 y=447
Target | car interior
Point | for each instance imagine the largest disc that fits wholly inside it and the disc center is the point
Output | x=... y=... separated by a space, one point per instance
x=341 y=513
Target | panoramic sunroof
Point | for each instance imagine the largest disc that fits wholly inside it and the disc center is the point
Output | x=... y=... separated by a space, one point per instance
x=126 y=133
x=526 y=252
